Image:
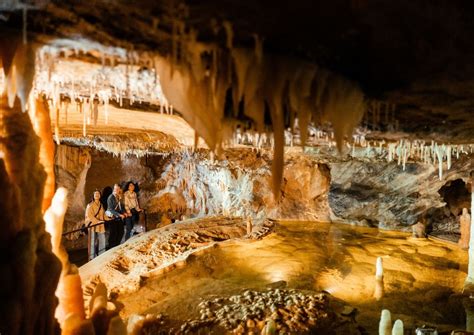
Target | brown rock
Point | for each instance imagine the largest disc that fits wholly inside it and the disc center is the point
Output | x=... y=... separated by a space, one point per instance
x=465 y=222
x=419 y=230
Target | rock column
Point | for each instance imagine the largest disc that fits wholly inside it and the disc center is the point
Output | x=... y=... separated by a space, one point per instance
x=465 y=224
x=30 y=269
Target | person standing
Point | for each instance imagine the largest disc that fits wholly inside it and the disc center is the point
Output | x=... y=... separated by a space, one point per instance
x=95 y=215
x=116 y=210
x=132 y=208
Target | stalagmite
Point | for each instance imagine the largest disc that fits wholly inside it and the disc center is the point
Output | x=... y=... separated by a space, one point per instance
x=379 y=288
x=135 y=324
x=385 y=325
x=69 y=290
x=116 y=327
x=270 y=328
x=468 y=303
x=470 y=272
x=398 y=328
x=465 y=229
x=75 y=325
x=249 y=226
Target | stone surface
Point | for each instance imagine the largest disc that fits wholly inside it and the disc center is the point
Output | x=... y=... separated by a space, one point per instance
x=422 y=277
x=465 y=223
x=123 y=268
x=71 y=168
x=30 y=271
x=385 y=195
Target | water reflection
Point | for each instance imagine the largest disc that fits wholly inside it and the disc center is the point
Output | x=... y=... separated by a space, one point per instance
x=421 y=279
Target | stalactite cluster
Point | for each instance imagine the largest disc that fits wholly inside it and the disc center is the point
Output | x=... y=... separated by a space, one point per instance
x=198 y=82
x=217 y=89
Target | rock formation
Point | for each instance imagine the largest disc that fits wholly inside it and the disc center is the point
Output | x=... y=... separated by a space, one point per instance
x=465 y=223
x=71 y=167
x=274 y=106
x=385 y=196
x=31 y=268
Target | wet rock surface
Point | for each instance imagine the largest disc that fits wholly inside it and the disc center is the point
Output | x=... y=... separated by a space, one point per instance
x=273 y=311
x=422 y=278
x=385 y=196
x=127 y=267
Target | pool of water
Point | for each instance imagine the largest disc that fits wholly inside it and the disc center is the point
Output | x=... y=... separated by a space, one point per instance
x=423 y=279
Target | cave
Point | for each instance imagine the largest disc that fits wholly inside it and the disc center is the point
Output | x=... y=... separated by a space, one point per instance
x=445 y=221
x=456 y=195
x=205 y=167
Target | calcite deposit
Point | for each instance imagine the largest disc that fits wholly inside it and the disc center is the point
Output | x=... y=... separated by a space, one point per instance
x=232 y=117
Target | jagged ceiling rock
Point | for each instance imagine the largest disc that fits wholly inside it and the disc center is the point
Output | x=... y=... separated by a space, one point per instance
x=416 y=54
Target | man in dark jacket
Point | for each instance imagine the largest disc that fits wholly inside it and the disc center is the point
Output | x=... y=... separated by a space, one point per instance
x=116 y=210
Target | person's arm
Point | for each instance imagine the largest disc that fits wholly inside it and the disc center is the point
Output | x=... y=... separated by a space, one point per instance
x=111 y=203
x=138 y=208
x=127 y=202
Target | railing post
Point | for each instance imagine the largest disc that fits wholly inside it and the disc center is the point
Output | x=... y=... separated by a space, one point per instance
x=89 y=251
x=144 y=214
x=91 y=242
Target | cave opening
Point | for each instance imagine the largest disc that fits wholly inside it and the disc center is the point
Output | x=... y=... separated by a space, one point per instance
x=444 y=221
x=457 y=196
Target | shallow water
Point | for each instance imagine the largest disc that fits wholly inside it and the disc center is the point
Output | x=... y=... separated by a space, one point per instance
x=422 y=278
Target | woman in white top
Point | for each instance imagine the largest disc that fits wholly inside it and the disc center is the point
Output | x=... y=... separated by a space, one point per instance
x=132 y=207
x=95 y=214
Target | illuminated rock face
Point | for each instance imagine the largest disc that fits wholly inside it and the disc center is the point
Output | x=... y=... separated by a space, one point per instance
x=386 y=196
x=372 y=192
x=71 y=166
x=196 y=186
x=31 y=271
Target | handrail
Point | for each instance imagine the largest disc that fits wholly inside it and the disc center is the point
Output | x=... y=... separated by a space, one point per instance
x=91 y=239
x=82 y=229
x=98 y=224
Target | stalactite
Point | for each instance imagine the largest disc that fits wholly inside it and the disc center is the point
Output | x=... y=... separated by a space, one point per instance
x=440 y=162
x=229 y=34
x=25 y=24
x=24 y=62
x=42 y=126
x=197 y=87
x=448 y=154
x=11 y=85
x=84 y=121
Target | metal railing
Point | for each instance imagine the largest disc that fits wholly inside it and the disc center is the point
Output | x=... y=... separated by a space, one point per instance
x=91 y=235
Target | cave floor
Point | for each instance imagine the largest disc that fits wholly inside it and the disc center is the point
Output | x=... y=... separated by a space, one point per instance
x=422 y=278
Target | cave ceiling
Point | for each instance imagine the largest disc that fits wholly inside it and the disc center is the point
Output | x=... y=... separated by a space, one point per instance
x=417 y=55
